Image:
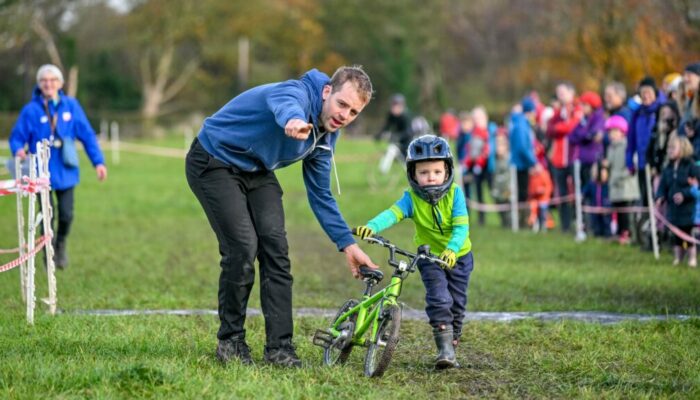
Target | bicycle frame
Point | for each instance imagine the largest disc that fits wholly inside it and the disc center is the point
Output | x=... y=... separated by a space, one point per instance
x=368 y=310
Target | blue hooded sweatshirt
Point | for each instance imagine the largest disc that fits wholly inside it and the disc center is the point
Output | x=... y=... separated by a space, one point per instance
x=34 y=125
x=248 y=133
x=639 y=134
x=522 y=150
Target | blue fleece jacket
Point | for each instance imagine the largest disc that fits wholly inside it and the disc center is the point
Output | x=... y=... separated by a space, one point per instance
x=522 y=150
x=248 y=133
x=639 y=134
x=33 y=125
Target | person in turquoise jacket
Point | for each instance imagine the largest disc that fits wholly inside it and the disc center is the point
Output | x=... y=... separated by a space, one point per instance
x=439 y=212
x=230 y=169
x=60 y=119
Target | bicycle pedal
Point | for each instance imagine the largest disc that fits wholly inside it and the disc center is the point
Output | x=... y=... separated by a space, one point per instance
x=323 y=339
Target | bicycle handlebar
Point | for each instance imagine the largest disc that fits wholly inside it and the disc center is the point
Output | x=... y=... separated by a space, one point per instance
x=376 y=239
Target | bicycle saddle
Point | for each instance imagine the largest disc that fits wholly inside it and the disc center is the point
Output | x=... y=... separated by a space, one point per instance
x=371 y=274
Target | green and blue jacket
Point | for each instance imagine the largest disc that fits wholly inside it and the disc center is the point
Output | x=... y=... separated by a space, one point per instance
x=443 y=226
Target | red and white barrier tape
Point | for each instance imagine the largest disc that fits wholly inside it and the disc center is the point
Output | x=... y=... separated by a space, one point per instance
x=15 y=263
x=16 y=249
x=610 y=210
x=26 y=185
x=676 y=231
x=473 y=205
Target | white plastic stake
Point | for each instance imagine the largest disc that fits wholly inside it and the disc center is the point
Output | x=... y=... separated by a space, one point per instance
x=104 y=131
x=514 y=221
x=114 y=136
x=652 y=216
x=20 y=229
x=188 y=139
x=30 y=243
x=47 y=214
x=580 y=233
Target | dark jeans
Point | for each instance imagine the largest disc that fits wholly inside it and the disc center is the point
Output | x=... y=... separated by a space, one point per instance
x=623 y=218
x=478 y=181
x=561 y=179
x=523 y=176
x=64 y=212
x=600 y=224
x=245 y=211
x=446 y=291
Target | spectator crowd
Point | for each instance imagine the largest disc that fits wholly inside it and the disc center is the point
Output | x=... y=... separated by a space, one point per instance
x=614 y=140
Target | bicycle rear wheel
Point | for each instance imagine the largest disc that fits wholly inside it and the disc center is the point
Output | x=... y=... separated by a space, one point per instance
x=338 y=352
x=382 y=346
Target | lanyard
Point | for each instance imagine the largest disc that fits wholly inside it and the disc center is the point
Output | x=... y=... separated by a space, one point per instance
x=53 y=121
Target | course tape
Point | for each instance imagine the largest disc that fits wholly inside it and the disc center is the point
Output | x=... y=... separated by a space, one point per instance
x=26 y=185
x=15 y=263
x=676 y=231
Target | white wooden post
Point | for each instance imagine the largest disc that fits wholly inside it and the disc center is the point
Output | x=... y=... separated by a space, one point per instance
x=652 y=216
x=47 y=214
x=580 y=232
x=514 y=211
x=20 y=229
x=114 y=136
x=188 y=139
x=104 y=131
x=30 y=243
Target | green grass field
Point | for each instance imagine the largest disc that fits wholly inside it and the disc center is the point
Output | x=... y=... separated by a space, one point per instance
x=141 y=241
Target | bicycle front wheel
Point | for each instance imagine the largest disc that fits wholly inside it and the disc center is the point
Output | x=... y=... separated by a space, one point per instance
x=339 y=351
x=382 y=346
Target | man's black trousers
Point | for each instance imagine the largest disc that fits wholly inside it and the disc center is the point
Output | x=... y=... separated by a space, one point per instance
x=245 y=211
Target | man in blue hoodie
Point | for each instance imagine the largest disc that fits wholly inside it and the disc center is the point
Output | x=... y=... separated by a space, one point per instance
x=230 y=168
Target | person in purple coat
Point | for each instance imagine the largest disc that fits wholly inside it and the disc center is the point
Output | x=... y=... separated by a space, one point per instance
x=587 y=137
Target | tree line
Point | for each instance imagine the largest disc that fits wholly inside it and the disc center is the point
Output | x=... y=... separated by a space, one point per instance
x=158 y=58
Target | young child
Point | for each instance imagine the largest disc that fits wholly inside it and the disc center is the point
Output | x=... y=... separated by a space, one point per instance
x=674 y=189
x=624 y=188
x=595 y=194
x=539 y=195
x=437 y=206
x=500 y=189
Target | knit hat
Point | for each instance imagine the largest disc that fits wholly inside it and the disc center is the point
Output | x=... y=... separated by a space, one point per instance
x=49 y=69
x=648 y=81
x=694 y=68
x=527 y=104
x=592 y=99
x=616 y=122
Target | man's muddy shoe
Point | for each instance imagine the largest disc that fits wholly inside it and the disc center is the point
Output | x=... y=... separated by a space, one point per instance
x=283 y=356
x=233 y=349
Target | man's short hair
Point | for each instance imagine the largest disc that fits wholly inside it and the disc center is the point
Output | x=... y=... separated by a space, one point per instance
x=357 y=76
x=618 y=88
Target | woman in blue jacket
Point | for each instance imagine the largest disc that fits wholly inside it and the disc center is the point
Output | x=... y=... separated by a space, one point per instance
x=61 y=120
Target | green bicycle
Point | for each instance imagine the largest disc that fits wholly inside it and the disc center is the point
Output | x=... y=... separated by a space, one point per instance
x=375 y=321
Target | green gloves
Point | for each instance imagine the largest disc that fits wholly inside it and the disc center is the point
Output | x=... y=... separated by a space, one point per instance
x=449 y=257
x=364 y=231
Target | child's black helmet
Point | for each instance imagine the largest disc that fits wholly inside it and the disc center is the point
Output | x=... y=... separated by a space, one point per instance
x=429 y=148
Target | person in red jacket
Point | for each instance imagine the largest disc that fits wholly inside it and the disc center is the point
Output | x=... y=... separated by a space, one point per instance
x=566 y=117
x=476 y=158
